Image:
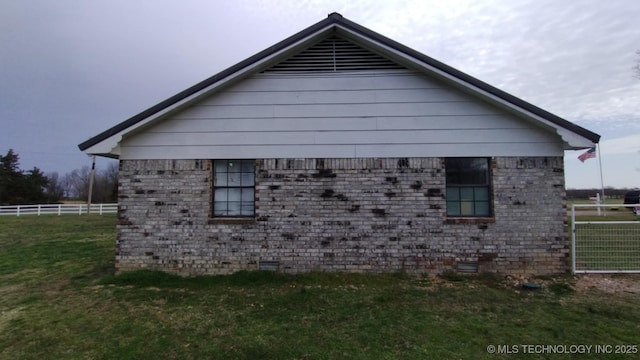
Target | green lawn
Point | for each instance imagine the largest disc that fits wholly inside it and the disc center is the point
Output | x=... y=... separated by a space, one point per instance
x=59 y=299
x=609 y=246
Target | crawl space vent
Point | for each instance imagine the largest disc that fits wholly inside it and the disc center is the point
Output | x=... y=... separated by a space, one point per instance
x=334 y=54
x=467 y=267
x=269 y=265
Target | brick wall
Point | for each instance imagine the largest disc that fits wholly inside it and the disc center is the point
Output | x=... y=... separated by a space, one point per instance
x=364 y=215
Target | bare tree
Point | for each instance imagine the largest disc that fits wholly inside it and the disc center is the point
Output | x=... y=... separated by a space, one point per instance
x=76 y=183
x=105 y=188
x=54 y=189
x=106 y=184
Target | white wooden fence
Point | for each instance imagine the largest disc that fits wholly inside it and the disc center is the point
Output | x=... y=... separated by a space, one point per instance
x=57 y=209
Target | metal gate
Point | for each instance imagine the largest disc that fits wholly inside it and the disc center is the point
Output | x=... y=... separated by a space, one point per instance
x=605 y=239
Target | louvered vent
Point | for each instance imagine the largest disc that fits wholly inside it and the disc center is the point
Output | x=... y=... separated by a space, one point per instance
x=334 y=54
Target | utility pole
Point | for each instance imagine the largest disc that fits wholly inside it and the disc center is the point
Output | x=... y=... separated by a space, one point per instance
x=91 y=176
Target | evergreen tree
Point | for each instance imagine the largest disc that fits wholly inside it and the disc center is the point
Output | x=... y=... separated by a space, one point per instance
x=18 y=187
x=33 y=186
x=10 y=178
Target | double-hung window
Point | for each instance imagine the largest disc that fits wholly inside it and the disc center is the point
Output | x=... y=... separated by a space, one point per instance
x=468 y=187
x=233 y=188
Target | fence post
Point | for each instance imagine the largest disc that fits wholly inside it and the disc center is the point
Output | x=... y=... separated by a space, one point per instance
x=39 y=209
x=80 y=209
x=100 y=208
x=59 y=209
x=18 y=211
x=573 y=239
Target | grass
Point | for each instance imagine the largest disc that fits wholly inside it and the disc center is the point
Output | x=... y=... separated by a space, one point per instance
x=59 y=299
x=608 y=246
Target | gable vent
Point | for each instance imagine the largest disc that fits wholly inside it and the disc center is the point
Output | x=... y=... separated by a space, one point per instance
x=334 y=54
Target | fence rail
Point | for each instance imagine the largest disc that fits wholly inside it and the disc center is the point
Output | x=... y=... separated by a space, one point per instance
x=58 y=209
x=610 y=244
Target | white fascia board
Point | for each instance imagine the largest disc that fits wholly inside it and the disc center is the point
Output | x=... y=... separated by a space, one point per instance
x=106 y=147
x=111 y=145
x=572 y=140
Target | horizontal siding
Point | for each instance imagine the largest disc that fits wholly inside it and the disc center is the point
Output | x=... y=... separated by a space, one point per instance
x=238 y=152
x=339 y=115
x=434 y=122
x=261 y=124
x=337 y=151
x=457 y=136
x=450 y=122
x=452 y=150
x=364 y=80
x=335 y=110
x=288 y=97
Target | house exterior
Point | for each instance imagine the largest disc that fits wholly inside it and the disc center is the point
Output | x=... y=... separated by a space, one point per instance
x=339 y=149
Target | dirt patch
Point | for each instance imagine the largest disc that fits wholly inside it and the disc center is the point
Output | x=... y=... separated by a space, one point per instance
x=8 y=316
x=608 y=283
x=5 y=291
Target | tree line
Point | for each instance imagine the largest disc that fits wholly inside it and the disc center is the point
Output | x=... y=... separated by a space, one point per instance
x=609 y=192
x=35 y=187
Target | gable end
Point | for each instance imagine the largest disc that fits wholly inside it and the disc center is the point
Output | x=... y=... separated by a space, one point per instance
x=346 y=47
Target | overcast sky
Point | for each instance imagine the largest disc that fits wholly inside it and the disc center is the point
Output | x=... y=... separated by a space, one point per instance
x=71 y=69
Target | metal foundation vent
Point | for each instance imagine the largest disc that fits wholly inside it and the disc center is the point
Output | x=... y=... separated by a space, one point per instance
x=334 y=54
x=467 y=267
x=269 y=265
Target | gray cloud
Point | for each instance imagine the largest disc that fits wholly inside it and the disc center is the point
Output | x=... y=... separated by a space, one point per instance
x=69 y=70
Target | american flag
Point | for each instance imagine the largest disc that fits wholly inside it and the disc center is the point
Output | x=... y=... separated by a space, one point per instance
x=589 y=154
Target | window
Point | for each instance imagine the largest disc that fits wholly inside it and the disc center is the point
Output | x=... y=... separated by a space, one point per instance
x=468 y=190
x=233 y=188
